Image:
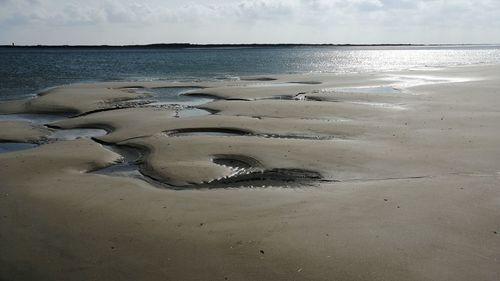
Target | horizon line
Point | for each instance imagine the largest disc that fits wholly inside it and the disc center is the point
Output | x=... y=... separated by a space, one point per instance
x=229 y=45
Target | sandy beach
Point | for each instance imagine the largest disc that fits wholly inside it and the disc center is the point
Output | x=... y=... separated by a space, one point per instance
x=375 y=176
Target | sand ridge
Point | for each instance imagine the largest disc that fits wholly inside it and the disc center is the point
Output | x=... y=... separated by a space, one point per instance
x=408 y=192
x=15 y=131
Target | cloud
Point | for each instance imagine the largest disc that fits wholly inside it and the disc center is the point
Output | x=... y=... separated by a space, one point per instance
x=115 y=11
x=390 y=20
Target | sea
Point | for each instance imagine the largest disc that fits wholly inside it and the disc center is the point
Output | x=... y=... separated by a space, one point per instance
x=26 y=71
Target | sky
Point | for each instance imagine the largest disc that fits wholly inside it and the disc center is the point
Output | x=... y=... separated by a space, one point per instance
x=119 y=22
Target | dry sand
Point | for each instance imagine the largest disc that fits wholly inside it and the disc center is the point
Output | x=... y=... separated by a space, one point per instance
x=358 y=186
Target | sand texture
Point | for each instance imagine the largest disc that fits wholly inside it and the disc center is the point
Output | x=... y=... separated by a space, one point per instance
x=386 y=176
x=14 y=131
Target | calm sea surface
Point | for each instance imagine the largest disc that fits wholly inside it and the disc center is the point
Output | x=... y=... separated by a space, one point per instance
x=25 y=71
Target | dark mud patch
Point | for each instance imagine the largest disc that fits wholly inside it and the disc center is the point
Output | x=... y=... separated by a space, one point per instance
x=263 y=79
x=232 y=132
x=249 y=172
x=236 y=161
x=266 y=178
x=286 y=178
x=208 y=132
x=280 y=97
x=131 y=88
x=214 y=97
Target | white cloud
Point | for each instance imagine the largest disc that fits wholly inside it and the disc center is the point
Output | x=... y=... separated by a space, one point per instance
x=293 y=20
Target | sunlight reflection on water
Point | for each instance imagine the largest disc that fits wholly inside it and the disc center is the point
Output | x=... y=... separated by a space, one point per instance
x=23 y=72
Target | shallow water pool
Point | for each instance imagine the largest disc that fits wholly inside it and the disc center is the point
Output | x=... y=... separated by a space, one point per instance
x=14 y=146
x=32 y=118
x=73 y=134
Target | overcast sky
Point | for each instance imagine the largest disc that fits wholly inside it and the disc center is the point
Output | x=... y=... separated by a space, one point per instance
x=249 y=21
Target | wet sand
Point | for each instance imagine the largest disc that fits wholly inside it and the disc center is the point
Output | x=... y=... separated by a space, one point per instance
x=384 y=176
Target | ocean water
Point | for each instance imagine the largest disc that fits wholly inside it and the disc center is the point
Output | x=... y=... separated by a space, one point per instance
x=23 y=72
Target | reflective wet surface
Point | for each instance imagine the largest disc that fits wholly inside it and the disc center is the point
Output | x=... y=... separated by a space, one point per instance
x=127 y=166
x=192 y=112
x=173 y=95
x=368 y=90
x=73 y=134
x=32 y=118
x=382 y=105
x=219 y=132
x=14 y=146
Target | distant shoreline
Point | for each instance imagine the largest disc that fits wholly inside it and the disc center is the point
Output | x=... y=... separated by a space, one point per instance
x=209 y=46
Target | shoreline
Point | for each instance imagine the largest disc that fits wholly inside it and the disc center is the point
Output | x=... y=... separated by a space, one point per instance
x=249 y=78
x=30 y=92
x=406 y=188
x=207 y=46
